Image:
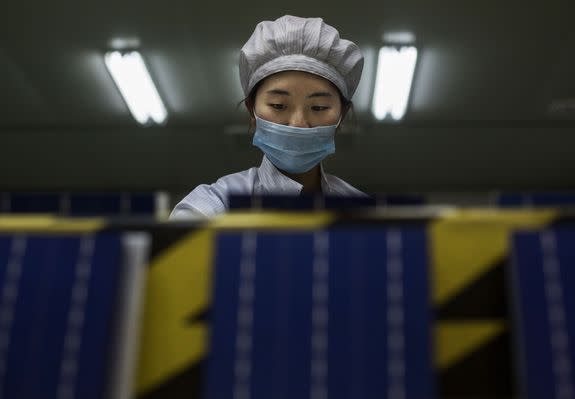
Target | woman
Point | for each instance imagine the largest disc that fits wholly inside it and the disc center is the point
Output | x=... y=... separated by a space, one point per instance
x=298 y=77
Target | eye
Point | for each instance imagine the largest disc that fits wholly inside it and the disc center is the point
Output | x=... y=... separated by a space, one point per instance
x=319 y=107
x=277 y=106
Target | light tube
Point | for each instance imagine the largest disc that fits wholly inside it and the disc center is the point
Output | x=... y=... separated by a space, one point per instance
x=395 y=67
x=129 y=72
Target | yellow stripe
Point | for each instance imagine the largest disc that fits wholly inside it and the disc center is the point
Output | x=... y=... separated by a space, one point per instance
x=298 y=220
x=467 y=244
x=49 y=224
x=178 y=287
x=455 y=340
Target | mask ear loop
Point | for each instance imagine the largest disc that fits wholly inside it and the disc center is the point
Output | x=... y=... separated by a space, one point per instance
x=339 y=121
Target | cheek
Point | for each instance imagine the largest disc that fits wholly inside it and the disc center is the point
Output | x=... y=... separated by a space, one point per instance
x=331 y=117
x=261 y=110
x=267 y=113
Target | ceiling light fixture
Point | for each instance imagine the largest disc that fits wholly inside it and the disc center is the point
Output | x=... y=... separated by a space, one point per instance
x=136 y=86
x=395 y=68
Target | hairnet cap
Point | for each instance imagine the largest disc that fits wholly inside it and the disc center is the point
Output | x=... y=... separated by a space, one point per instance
x=300 y=44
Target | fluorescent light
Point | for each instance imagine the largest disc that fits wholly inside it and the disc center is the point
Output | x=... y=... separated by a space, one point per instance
x=398 y=38
x=133 y=80
x=395 y=69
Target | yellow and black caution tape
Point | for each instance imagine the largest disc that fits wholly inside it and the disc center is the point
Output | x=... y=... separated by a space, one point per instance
x=174 y=341
x=469 y=256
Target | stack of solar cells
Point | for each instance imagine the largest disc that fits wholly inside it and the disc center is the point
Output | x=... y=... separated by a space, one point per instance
x=84 y=204
x=536 y=199
x=327 y=314
x=544 y=288
x=310 y=202
x=68 y=313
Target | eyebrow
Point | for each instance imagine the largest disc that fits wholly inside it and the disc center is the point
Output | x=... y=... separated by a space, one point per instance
x=278 y=92
x=286 y=93
x=320 y=94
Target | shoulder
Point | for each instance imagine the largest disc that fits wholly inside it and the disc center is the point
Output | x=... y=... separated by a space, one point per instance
x=212 y=199
x=341 y=187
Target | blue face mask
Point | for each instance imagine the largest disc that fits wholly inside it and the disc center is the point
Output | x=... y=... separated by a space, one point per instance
x=294 y=149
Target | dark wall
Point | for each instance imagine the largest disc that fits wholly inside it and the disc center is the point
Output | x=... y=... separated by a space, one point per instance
x=379 y=159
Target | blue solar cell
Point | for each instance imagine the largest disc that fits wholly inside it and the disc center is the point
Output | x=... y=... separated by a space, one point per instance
x=303 y=202
x=343 y=203
x=303 y=312
x=404 y=200
x=240 y=202
x=220 y=379
x=96 y=204
x=143 y=204
x=510 y=200
x=59 y=333
x=543 y=281
x=550 y=199
x=536 y=199
x=35 y=203
x=284 y=202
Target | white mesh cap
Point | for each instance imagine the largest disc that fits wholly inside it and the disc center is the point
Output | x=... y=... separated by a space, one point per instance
x=302 y=44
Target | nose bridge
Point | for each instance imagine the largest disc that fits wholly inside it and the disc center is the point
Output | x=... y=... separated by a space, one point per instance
x=298 y=118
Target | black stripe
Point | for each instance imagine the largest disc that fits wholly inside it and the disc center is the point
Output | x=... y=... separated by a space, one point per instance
x=186 y=385
x=166 y=238
x=164 y=235
x=202 y=317
x=562 y=221
x=484 y=298
x=487 y=372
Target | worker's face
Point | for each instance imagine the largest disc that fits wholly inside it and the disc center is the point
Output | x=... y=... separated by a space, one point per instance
x=298 y=99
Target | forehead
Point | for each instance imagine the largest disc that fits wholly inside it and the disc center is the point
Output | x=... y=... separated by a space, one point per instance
x=298 y=81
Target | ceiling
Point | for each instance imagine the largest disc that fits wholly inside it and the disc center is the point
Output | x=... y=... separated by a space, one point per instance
x=484 y=66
